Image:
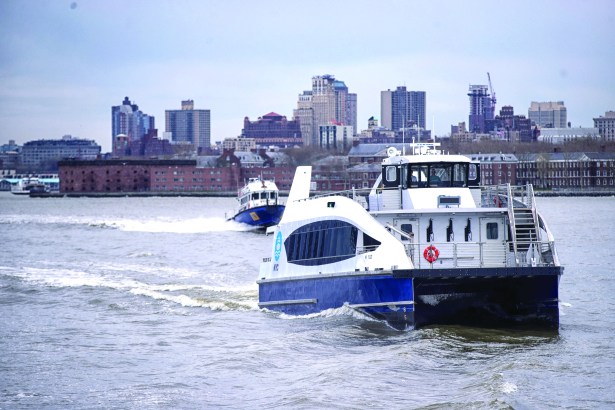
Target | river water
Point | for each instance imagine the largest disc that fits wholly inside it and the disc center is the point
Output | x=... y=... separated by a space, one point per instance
x=151 y=303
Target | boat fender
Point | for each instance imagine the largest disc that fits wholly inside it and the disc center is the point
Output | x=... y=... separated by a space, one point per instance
x=431 y=254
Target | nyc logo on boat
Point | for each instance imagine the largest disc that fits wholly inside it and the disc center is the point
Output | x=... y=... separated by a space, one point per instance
x=278 y=246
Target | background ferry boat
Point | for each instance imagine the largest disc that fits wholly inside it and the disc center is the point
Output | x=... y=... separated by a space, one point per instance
x=259 y=204
x=427 y=245
x=29 y=184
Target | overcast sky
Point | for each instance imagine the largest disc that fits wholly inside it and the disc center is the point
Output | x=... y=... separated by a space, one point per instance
x=64 y=63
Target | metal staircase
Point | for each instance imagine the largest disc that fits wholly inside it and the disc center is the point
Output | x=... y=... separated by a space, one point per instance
x=523 y=220
x=526 y=231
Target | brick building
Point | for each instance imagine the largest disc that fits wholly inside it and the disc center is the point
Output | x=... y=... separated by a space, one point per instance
x=496 y=169
x=224 y=174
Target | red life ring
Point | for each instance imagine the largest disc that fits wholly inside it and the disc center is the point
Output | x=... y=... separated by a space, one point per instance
x=431 y=254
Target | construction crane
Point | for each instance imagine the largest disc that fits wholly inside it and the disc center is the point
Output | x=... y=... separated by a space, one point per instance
x=493 y=100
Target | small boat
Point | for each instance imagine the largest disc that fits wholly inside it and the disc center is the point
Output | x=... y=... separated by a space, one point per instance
x=259 y=204
x=426 y=245
x=25 y=185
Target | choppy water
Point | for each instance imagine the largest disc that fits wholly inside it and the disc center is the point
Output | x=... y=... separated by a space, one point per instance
x=151 y=303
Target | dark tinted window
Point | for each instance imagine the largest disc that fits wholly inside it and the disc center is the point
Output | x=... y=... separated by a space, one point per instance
x=320 y=243
x=492 y=230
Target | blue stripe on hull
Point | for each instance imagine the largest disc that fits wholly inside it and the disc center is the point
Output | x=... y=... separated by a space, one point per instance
x=491 y=297
x=376 y=295
x=263 y=216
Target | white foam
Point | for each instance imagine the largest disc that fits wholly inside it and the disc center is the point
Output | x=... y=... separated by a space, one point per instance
x=213 y=297
x=508 y=388
x=161 y=225
x=344 y=310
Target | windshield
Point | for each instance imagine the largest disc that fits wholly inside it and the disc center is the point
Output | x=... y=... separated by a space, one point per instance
x=438 y=175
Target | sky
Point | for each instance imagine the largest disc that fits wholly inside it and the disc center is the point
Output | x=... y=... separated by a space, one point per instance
x=65 y=63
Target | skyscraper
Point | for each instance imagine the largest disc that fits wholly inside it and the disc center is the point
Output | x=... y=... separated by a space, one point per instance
x=128 y=120
x=329 y=100
x=550 y=114
x=402 y=109
x=481 y=118
x=189 y=125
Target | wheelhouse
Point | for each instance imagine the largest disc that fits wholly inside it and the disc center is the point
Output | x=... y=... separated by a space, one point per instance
x=443 y=174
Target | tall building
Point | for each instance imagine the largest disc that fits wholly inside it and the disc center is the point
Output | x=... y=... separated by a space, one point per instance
x=128 y=120
x=513 y=127
x=273 y=129
x=41 y=155
x=329 y=100
x=305 y=115
x=335 y=136
x=189 y=125
x=482 y=108
x=402 y=109
x=550 y=114
x=606 y=125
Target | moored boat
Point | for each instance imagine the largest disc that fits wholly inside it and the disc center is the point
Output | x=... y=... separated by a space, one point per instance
x=259 y=204
x=25 y=185
x=427 y=245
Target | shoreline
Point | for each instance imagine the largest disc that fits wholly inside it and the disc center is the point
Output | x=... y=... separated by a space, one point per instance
x=222 y=194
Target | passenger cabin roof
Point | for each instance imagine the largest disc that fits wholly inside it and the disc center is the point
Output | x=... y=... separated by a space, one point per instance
x=424 y=159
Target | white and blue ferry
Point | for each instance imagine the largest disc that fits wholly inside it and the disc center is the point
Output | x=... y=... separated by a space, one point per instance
x=259 y=204
x=427 y=245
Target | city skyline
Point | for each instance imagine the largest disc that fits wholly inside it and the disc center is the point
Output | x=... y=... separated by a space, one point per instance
x=63 y=64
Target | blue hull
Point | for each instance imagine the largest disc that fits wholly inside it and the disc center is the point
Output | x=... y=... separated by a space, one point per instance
x=261 y=216
x=417 y=298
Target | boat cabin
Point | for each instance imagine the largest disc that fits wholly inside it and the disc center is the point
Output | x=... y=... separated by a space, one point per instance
x=445 y=172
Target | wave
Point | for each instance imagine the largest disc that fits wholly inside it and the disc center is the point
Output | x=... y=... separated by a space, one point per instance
x=195 y=225
x=344 y=310
x=187 y=295
x=156 y=225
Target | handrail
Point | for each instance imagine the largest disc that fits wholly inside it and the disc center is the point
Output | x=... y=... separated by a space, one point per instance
x=513 y=226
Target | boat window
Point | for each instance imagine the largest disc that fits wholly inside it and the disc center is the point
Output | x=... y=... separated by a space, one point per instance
x=492 y=230
x=440 y=175
x=429 y=232
x=391 y=174
x=369 y=243
x=418 y=176
x=407 y=228
x=450 y=235
x=459 y=175
x=322 y=242
x=473 y=174
x=255 y=196
x=467 y=233
x=414 y=177
x=403 y=173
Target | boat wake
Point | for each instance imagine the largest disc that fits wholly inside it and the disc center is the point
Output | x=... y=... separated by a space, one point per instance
x=160 y=225
x=344 y=310
x=196 y=225
x=219 y=298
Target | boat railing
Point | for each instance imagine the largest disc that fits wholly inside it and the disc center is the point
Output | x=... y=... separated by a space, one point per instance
x=481 y=255
x=454 y=255
x=358 y=195
x=505 y=195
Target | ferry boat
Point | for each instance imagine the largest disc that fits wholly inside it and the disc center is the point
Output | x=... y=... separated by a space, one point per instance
x=259 y=204
x=23 y=186
x=426 y=245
